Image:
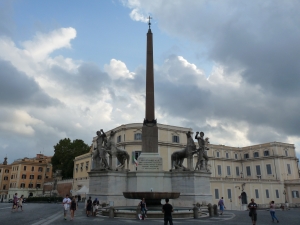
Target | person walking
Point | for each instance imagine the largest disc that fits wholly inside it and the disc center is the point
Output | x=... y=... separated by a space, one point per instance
x=167 y=209
x=143 y=206
x=95 y=206
x=89 y=206
x=272 y=211
x=73 y=207
x=66 y=204
x=221 y=205
x=20 y=204
x=252 y=206
x=15 y=203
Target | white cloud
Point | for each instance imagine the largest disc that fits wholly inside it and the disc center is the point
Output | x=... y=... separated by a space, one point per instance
x=118 y=69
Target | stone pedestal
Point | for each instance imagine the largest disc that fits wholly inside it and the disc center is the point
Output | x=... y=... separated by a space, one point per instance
x=194 y=187
x=150 y=138
x=108 y=186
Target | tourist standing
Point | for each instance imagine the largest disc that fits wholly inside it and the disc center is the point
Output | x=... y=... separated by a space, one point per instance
x=272 y=211
x=73 y=207
x=221 y=205
x=167 y=209
x=143 y=206
x=252 y=206
x=21 y=202
x=66 y=204
x=89 y=206
x=15 y=203
x=95 y=206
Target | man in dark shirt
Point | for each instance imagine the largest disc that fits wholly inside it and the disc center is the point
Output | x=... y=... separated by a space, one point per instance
x=252 y=206
x=88 y=206
x=167 y=209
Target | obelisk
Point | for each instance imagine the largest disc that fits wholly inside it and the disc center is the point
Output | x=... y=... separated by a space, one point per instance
x=149 y=131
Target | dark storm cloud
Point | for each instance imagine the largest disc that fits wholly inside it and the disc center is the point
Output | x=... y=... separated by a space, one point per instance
x=17 y=89
x=88 y=80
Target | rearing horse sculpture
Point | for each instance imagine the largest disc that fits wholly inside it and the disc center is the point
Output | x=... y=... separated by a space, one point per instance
x=120 y=154
x=177 y=157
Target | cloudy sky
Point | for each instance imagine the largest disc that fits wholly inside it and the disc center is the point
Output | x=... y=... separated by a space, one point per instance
x=68 y=68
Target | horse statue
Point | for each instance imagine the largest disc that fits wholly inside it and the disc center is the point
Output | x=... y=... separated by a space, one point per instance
x=99 y=153
x=177 y=157
x=119 y=153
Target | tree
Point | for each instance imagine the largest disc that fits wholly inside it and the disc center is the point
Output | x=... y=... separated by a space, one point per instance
x=65 y=152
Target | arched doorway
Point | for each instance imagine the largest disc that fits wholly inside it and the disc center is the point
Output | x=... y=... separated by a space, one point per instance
x=244 y=198
x=30 y=194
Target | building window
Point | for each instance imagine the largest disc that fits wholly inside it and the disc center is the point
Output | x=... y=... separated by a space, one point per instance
x=255 y=154
x=289 y=168
x=295 y=194
x=256 y=193
x=31 y=177
x=38 y=185
x=32 y=168
x=237 y=171
x=24 y=168
x=22 y=185
x=175 y=139
x=269 y=170
x=12 y=176
x=216 y=193
x=266 y=153
x=218 y=154
x=277 y=193
x=24 y=176
x=236 y=156
x=39 y=177
x=267 y=193
x=258 y=173
x=40 y=169
x=246 y=156
x=119 y=139
x=229 y=193
x=86 y=165
x=6 y=171
x=219 y=170
x=228 y=171
x=138 y=136
x=48 y=169
x=248 y=170
x=30 y=185
x=5 y=178
x=4 y=187
x=227 y=155
x=81 y=168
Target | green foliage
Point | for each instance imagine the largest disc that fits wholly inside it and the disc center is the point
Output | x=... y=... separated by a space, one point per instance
x=64 y=153
x=44 y=199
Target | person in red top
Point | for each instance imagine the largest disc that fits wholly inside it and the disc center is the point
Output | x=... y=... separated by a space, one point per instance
x=15 y=203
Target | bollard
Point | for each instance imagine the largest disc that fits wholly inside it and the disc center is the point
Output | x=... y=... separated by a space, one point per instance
x=210 y=211
x=215 y=208
x=196 y=210
x=111 y=212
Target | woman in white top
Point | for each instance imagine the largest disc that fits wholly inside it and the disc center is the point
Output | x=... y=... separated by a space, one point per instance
x=272 y=211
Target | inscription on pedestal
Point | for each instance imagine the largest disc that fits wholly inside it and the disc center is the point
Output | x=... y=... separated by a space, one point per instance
x=148 y=163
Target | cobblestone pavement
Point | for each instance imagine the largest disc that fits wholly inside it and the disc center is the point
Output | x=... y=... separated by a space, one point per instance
x=44 y=214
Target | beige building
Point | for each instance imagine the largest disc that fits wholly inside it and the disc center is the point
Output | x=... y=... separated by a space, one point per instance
x=25 y=176
x=265 y=172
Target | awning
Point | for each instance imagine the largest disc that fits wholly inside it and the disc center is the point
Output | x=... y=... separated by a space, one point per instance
x=83 y=190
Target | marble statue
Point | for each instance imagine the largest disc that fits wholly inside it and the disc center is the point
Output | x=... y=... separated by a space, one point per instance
x=99 y=153
x=201 y=151
x=177 y=157
x=119 y=153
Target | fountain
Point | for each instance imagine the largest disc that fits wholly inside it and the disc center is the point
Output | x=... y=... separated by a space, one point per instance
x=151 y=198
